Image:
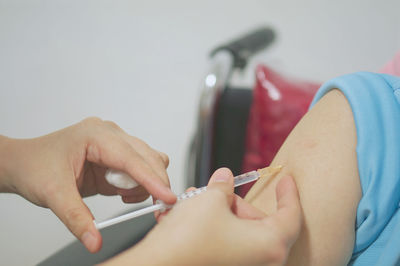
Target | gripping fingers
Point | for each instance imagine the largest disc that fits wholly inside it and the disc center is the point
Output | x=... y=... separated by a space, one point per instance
x=158 y=161
x=116 y=153
x=159 y=215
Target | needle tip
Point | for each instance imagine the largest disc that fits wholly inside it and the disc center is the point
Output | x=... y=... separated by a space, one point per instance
x=269 y=171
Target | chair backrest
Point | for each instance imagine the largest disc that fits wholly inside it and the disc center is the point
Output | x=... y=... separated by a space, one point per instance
x=223 y=110
x=230 y=129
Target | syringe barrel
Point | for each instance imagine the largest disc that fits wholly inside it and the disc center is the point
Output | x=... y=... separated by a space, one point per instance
x=161 y=206
x=246 y=178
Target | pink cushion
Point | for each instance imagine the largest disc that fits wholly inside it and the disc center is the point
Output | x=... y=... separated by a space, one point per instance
x=278 y=104
x=393 y=66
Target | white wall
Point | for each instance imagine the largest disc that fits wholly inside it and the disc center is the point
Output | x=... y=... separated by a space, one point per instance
x=139 y=63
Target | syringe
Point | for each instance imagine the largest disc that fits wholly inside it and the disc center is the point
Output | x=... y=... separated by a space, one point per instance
x=161 y=206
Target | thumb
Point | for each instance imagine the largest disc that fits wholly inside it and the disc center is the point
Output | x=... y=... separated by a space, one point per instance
x=73 y=212
x=222 y=180
x=289 y=211
x=287 y=197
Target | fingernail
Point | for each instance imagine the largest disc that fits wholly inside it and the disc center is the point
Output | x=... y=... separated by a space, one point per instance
x=89 y=241
x=221 y=176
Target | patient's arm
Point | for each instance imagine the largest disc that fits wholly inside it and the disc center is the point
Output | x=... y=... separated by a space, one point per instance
x=320 y=153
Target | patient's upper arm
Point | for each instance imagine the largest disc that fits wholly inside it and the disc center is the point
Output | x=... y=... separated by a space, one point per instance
x=320 y=153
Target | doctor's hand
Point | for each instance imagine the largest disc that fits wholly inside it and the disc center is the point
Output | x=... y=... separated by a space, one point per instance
x=218 y=228
x=57 y=170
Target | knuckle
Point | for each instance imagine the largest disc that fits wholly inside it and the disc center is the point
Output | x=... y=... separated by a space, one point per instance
x=73 y=214
x=88 y=128
x=94 y=152
x=91 y=121
x=161 y=158
x=164 y=158
x=112 y=125
x=73 y=218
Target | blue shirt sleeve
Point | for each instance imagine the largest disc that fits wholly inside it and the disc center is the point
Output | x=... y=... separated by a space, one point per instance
x=375 y=103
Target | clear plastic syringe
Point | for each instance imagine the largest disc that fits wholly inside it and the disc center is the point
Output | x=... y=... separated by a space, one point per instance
x=161 y=206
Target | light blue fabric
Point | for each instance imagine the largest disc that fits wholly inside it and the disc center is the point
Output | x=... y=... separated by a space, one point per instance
x=375 y=102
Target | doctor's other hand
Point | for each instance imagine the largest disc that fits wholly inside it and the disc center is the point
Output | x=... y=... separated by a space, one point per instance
x=217 y=228
x=57 y=170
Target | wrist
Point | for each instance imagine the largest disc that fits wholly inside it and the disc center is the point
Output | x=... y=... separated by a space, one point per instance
x=6 y=161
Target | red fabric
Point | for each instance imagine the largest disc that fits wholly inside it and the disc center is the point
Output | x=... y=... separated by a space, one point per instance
x=278 y=104
x=393 y=66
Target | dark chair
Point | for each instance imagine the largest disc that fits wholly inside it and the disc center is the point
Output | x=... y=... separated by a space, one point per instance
x=223 y=110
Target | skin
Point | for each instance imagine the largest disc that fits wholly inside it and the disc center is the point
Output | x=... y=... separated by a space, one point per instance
x=320 y=153
x=219 y=228
x=55 y=171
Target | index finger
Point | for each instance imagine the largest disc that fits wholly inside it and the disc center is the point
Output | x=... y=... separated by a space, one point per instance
x=116 y=153
x=288 y=218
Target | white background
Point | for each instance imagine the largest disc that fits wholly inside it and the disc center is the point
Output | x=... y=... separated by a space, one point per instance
x=139 y=63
